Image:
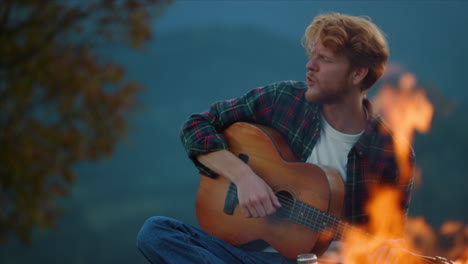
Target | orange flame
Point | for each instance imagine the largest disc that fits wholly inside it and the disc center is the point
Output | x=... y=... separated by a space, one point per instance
x=421 y=235
x=454 y=236
x=406 y=109
x=387 y=229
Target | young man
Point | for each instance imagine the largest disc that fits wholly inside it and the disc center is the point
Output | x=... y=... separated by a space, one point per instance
x=326 y=120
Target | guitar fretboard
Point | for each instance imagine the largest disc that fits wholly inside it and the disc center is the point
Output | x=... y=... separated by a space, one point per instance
x=303 y=214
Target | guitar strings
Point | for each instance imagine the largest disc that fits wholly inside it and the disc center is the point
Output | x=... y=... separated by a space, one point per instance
x=308 y=212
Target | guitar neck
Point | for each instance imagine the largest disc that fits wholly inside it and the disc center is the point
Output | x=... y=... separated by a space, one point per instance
x=317 y=220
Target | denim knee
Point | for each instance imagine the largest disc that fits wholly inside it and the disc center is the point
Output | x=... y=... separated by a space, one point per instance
x=150 y=229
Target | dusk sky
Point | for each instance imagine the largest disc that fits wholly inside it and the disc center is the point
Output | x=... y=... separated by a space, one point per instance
x=427 y=38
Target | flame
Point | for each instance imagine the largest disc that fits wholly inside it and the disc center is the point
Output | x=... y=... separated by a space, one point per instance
x=421 y=235
x=453 y=240
x=387 y=229
x=406 y=109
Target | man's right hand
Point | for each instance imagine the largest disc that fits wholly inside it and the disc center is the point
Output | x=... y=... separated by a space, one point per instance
x=256 y=198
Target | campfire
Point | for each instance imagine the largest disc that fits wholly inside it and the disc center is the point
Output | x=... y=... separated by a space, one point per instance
x=406 y=110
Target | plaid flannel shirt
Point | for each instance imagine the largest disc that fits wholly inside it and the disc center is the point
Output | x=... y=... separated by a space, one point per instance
x=283 y=106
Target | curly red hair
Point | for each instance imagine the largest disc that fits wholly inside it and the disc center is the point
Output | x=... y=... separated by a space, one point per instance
x=361 y=40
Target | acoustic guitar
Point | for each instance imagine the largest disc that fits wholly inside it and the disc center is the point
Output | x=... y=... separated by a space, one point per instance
x=312 y=197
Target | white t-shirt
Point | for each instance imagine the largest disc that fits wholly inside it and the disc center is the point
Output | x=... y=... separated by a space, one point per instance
x=332 y=148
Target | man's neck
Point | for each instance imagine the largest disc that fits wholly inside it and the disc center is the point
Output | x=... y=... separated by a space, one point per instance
x=347 y=117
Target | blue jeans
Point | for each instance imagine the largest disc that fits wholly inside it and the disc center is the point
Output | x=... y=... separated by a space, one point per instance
x=165 y=240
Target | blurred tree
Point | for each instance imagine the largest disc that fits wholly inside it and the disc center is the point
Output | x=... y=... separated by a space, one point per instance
x=60 y=102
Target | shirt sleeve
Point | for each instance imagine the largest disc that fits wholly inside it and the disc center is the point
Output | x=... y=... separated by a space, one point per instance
x=201 y=133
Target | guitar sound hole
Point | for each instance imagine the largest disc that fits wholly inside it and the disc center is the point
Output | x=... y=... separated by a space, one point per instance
x=287 y=202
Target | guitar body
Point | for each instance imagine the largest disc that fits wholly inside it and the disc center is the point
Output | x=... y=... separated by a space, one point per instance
x=269 y=156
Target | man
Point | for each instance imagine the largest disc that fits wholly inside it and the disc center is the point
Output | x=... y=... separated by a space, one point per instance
x=327 y=120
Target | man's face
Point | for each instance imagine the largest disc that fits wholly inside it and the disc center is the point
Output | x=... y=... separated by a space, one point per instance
x=328 y=76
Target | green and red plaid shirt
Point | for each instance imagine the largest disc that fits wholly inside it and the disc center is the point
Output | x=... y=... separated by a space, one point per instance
x=283 y=106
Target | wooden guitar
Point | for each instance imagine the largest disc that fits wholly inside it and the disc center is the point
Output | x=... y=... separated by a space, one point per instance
x=312 y=197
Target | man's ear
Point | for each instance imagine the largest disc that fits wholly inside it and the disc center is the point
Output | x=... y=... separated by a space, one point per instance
x=359 y=74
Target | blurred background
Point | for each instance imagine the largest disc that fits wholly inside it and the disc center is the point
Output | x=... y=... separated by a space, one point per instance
x=115 y=91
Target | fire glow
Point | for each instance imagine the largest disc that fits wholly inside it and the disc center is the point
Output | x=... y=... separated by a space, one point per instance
x=405 y=109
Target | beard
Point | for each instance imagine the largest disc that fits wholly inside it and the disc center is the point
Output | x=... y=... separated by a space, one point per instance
x=326 y=96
